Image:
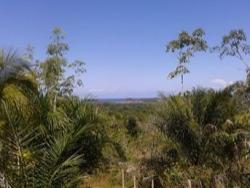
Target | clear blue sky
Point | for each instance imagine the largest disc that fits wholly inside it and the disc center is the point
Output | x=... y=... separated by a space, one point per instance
x=123 y=41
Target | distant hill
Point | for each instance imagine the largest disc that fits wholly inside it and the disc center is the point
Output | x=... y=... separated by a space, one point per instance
x=126 y=100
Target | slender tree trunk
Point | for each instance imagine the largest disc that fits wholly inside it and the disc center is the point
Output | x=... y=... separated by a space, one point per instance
x=123 y=179
x=189 y=184
x=54 y=103
x=182 y=84
x=134 y=178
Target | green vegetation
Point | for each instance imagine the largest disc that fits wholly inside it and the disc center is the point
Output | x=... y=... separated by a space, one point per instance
x=51 y=138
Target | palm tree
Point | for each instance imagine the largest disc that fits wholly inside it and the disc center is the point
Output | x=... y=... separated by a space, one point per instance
x=15 y=71
x=209 y=131
x=31 y=157
x=34 y=142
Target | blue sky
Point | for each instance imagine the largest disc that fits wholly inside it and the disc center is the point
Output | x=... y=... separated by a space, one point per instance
x=123 y=41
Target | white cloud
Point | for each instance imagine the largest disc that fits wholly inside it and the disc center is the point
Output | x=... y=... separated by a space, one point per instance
x=221 y=82
x=96 y=90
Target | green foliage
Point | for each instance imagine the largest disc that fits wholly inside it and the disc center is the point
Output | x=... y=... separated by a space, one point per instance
x=51 y=73
x=240 y=91
x=58 y=47
x=50 y=138
x=31 y=160
x=15 y=70
x=201 y=122
x=132 y=127
x=234 y=44
x=85 y=115
x=41 y=146
x=53 y=152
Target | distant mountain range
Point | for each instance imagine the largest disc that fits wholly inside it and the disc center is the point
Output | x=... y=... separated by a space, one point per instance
x=126 y=100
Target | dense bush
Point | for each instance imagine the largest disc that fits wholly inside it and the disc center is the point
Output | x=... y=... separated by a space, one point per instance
x=203 y=123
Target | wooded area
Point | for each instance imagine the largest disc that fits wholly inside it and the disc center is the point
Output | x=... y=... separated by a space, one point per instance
x=51 y=138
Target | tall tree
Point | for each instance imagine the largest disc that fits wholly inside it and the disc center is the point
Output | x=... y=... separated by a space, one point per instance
x=185 y=46
x=234 y=44
x=54 y=80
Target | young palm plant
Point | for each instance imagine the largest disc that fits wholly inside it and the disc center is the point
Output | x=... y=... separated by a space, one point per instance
x=15 y=70
x=38 y=146
x=203 y=123
x=31 y=158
